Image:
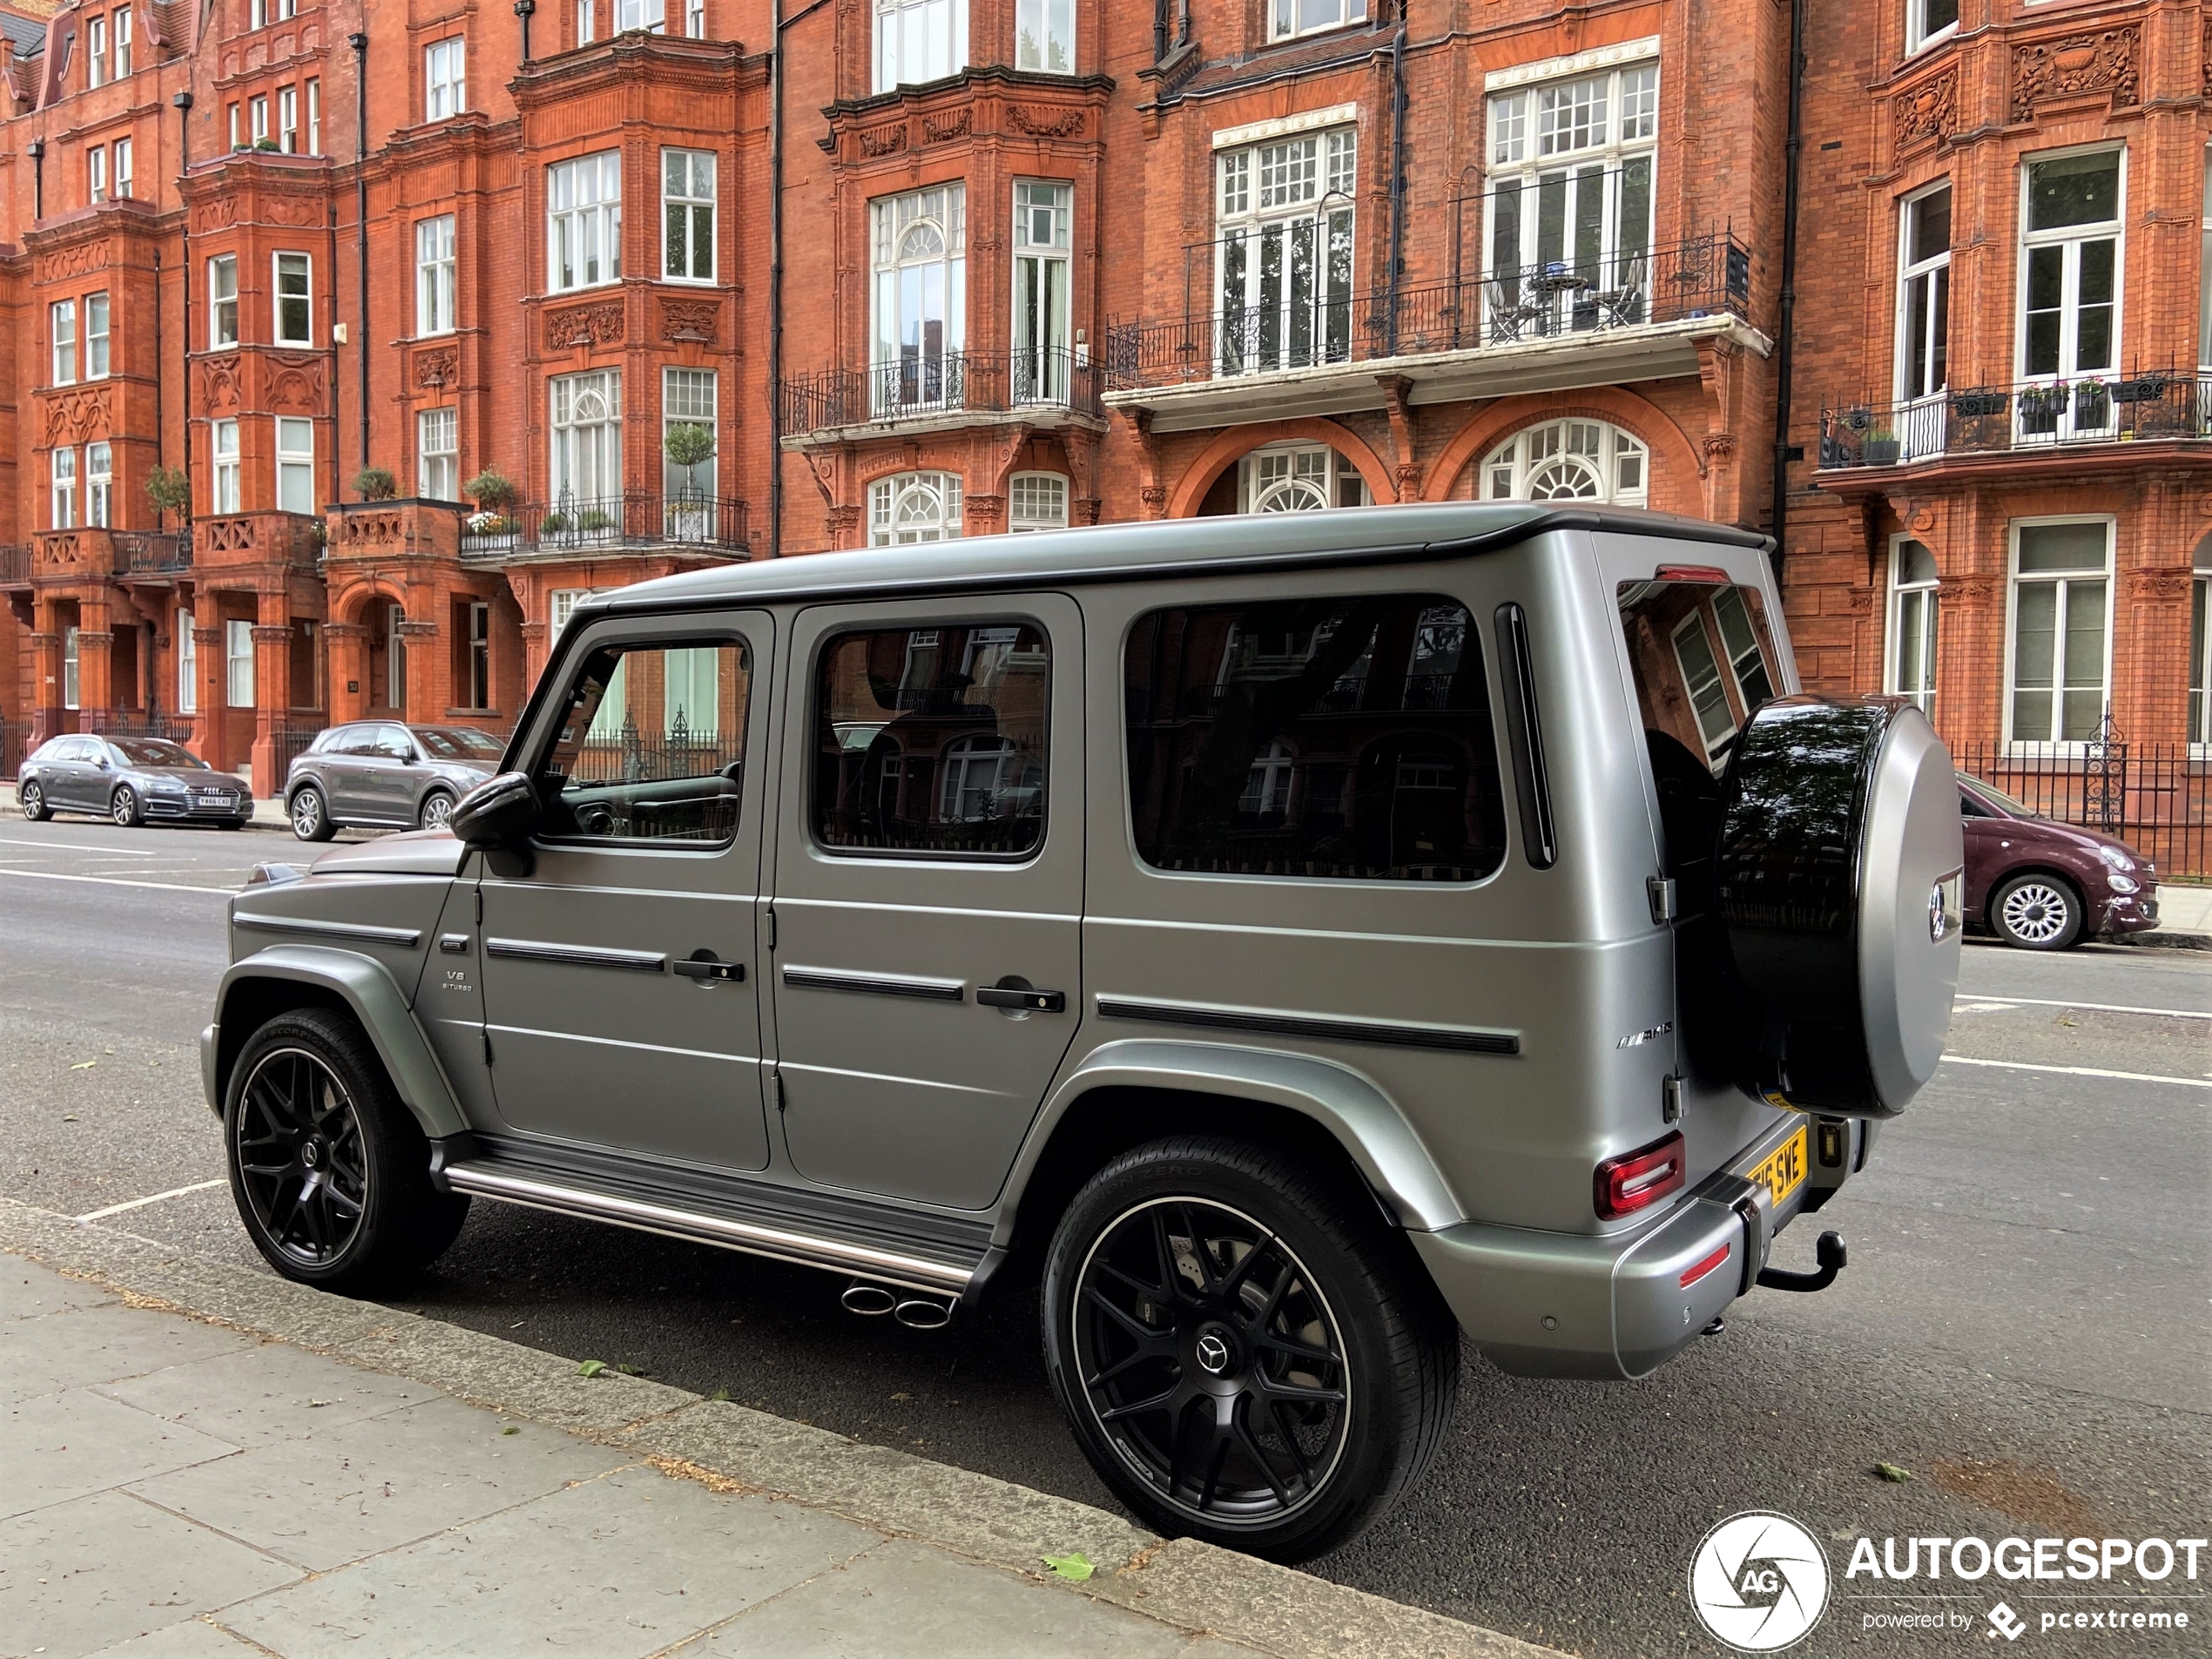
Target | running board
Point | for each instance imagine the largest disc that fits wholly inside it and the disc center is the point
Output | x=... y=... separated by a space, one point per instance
x=807 y=1250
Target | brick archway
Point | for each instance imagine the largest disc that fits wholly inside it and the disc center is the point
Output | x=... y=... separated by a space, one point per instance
x=1233 y=445
x=1675 y=485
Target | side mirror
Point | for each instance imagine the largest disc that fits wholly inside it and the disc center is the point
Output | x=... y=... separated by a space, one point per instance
x=500 y=814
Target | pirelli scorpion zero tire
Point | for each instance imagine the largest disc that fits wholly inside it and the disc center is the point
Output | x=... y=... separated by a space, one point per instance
x=1837 y=882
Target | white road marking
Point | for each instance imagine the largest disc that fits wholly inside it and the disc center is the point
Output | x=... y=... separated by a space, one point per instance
x=84 y=847
x=117 y=881
x=2080 y=1071
x=1990 y=1004
x=135 y=1203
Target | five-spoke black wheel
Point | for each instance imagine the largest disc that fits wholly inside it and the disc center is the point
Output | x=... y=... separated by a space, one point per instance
x=330 y=1171
x=1244 y=1354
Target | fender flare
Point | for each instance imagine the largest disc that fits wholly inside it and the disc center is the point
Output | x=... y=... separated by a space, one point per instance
x=1357 y=1115
x=367 y=988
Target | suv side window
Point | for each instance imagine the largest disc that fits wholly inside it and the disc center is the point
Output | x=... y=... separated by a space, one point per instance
x=1338 y=738
x=354 y=740
x=393 y=742
x=653 y=749
x=930 y=742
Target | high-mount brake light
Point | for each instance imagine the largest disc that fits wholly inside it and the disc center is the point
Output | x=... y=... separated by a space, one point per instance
x=1692 y=573
x=1637 y=1180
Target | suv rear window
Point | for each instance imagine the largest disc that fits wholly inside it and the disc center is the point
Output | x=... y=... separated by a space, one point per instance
x=1337 y=738
x=1703 y=661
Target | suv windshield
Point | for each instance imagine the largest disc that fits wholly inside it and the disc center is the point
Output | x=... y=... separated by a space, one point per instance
x=155 y=752
x=458 y=743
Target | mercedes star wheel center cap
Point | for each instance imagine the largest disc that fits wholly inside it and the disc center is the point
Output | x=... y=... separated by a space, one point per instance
x=1213 y=1353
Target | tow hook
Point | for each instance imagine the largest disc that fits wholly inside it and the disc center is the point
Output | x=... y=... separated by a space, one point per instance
x=1828 y=1250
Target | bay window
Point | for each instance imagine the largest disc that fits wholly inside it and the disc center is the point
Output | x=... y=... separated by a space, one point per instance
x=687 y=215
x=257 y=111
x=647 y=17
x=1283 y=282
x=123 y=168
x=95 y=337
x=295 y=464
x=294 y=299
x=921 y=297
x=583 y=209
x=222 y=301
x=1913 y=606
x=586 y=20
x=1290 y=18
x=96 y=175
x=2061 y=640
x=1044 y=36
x=1929 y=21
x=61 y=468
x=288 y=119
x=918 y=41
x=99 y=483
x=223 y=440
x=587 y=441
x=62 y=331
x=2070 y=303
x=1041 y=362
x=433 y=275
x=438 y=451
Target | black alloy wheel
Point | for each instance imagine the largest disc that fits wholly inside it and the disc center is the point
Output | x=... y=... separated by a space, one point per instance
x=1212 y=1359
x=32 y=799
x=300 y=1157
x=124 y=808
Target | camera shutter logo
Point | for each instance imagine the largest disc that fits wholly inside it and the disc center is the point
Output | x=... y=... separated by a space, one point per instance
x=1759 y=1582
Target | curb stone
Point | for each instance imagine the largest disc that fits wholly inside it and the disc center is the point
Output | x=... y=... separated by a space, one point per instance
x=1277 y=1610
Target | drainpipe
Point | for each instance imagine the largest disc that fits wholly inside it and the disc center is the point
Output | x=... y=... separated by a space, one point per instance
x=182 y=102
x=37 y=151
x=160 y=438
x=1782 y=368
x=526 y=9
x=779 y=23
x=360 y=43
x=1397 y=179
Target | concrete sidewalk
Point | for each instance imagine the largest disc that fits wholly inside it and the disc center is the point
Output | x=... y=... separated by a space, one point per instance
x=172 y=1485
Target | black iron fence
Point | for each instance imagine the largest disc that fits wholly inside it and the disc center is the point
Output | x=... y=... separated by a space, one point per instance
x=925 y=384
x=295 y=734
x=152 y=552
x=632 y=519
x=630 y=756
x=135 y=722
x=15 y=565
x=1702 y=276
x=12 y=733
x=2032 y=414
x=2155 y=797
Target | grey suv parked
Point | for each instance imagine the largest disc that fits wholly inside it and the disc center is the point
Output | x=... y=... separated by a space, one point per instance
x=1295 y=941
x=379 y=774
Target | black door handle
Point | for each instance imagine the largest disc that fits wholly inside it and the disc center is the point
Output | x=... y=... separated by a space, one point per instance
x=710 y=969
x=995 y=996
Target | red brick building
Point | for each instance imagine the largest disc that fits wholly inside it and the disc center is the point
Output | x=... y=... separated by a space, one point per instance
x=978 y=265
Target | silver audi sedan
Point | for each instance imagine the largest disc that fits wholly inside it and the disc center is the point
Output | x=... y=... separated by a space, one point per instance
x=380 y=774
x=131 y=780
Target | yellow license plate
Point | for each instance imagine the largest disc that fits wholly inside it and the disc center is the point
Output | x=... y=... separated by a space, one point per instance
x=1783 y=1171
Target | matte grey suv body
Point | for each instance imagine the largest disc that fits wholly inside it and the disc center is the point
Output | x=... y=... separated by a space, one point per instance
x=1293 y=937
x=381 y=774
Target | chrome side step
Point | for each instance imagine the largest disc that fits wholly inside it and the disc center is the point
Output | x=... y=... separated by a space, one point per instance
x=807 y=1250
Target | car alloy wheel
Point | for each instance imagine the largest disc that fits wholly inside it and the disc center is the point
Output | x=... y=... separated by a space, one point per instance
x=300 y=1157
x=437 y=806
x=307 y=815
x=124 y=808
x=2037 y=912
x=32 y=800
x=1209 y=1359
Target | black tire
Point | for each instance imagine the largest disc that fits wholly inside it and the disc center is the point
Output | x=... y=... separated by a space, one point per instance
x=1325 y=1326
x=331 y=1174
x=310 y=815
x=2036 y=912
x=437 y=807
x=123 y=807
x=32 y=799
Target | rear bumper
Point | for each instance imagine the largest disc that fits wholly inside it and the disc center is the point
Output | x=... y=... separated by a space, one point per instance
x=1558 y=1305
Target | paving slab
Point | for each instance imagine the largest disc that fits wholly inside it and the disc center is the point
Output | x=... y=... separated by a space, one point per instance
x=29 y=1291
x=76 y=1347
x=267 y=1394
x=54 y=1447
x=196 y=1639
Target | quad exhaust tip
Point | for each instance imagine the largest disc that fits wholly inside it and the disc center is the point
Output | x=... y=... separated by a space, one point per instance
x=914 y=1311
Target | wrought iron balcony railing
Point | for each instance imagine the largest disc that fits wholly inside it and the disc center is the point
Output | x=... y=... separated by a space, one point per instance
x=2028 y=415
x=635 y=519
x=1703 y=276
x=929 y=385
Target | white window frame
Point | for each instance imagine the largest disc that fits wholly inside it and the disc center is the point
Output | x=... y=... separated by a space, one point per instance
x=238 y=663
x=437 y=454
x=690 y=397
x=61 y=472
x=680 y=202
x=919 y=41
x=1036 y=501
x=95 y=51
x=586 y=23
x=394 y=657
x=1293 y=19
x=1620 y=465
x=583 y=232
x=72 y=672
x=187 y=655
x=295 y=464
x=122 y=59
x=1287 y=190
x=314 y=116
x=121 y=171
x=1918 y=35
x=288 y=119
x=940 y=492
x=1043 y=291
x=61 y=335
x=695 y=18
x=99 y=483
x=1918 y=601
x=98 y=336
x=435 y=279
x=95 y=174
x=1044 y=36
x=1709 y=637
x=292 y=271
x=2072 y=240
x=1286 y=477
x=222 y=302
x=222 y=446
x=257 y=14
x=2014 y=583
x=257 y=120
x=910 y=279
x=561 y=603
x=586 y=452
x=479 y=644
x=2200 y=716
x=641 y=17
x=445 y=78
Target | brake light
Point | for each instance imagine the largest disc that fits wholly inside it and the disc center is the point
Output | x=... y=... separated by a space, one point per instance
x=1637 y=1180
x=1703 y=1268
x=1692 y=573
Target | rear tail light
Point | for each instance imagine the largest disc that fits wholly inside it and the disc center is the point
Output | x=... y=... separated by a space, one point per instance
x=1639 y=1179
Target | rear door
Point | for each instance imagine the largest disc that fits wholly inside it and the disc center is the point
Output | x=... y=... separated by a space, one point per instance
x=388 y=775
x=928 y=887
x=618 y=965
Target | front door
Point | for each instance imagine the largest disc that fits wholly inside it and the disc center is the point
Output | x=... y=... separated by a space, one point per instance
x=620 y=978
x=388 y=776
x=344 y=766
x=929 y=884
x=73 y=779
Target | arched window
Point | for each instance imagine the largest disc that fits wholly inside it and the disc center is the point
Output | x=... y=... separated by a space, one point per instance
x=914 y=507
x=985 y=776
x=1568 y=460
x=1298 y=478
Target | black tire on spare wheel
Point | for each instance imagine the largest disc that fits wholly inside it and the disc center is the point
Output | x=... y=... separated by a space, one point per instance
x=329 y=1170
x=1837 y=886
x=1246 y=1352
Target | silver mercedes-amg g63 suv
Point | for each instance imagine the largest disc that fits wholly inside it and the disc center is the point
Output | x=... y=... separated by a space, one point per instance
x=1293 y=943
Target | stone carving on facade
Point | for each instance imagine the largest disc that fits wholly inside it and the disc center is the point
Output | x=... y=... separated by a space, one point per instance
x=381 y=527
x=74 y=416
x=438 y=367
x=297 y=211
x=1045 y=123
x=66 y=262
x=1862 y=602
x=943 y=128
x=2172 y=586
x=883 y=141
x=226 y=536
x=216 y=213
x=1928 y=111
x=2098 y=61
x=64 y=550
x=295 y=388
x=691 y=320
x=1083 y=509
x=218 y=385
x=843 y=524
x=593 y=325
x=2207 y=58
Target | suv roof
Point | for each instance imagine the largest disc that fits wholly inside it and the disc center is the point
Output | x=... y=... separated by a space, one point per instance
x=1163 y=549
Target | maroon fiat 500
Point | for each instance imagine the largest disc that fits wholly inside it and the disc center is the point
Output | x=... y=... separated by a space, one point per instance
x=2045 y=885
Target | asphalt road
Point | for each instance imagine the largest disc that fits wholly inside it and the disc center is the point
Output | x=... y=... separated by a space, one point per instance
x=2025 y=1323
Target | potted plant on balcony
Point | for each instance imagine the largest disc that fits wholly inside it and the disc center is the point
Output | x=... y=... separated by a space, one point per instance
x=1881 y=447
x=375 y=483
x=491 y=526
x=170 y=491
x=690 y=445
